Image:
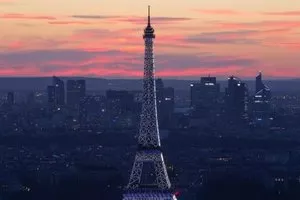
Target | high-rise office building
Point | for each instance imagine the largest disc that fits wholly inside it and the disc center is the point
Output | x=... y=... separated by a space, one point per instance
x=59 y=91
x=56 y=94
x=261 y=103
x=76 y=90
x=258 y=83
x=167 y=109
x=236 y=98
x=165 y=97
x=205 y=93
x=159 y=90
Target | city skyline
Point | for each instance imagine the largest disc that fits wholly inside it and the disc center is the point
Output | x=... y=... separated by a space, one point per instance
x=97 y=39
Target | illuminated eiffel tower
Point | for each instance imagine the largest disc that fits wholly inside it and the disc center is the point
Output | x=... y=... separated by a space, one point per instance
x=149 y=148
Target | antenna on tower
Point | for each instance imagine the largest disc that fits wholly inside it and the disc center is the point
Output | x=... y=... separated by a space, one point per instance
x=148 y=15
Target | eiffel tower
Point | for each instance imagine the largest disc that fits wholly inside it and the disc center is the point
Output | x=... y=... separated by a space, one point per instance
x=149 y=162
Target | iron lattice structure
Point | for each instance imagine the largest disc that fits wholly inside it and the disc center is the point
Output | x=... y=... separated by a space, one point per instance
x=149 y=141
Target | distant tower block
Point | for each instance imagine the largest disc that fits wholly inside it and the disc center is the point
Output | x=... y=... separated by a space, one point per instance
x=149 y=179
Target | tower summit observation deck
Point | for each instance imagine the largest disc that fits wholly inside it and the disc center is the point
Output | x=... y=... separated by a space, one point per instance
x=149 y=178
x=149 y=30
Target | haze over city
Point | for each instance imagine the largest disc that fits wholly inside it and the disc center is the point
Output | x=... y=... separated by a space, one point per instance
x=195 y=38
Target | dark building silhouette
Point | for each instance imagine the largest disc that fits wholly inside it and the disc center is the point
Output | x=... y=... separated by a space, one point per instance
x=165 y=103
x=119 y=102
x=205 y=93
x=92 y=111
x=236 y=98
x=258 y=83
x=204 y=98
x=159 y=90
x=56 y=94
x=166 y=110
x=76 y=90
x=10 y=98
x=59 y=91
x=120 y=107
x=261 y=103
x=51 y=94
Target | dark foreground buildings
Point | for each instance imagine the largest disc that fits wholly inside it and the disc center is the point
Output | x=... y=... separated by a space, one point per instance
x=165 y=104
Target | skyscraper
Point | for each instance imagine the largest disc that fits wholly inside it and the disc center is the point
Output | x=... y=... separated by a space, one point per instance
x=258 y=83
x=168 y=105
x=56 y=94
x=149 y=159
x=76 y=90
x=205 y=93
x=165 y=97
x=159 y=91
x=261 y=103
x=59 y=91
x=236 y=98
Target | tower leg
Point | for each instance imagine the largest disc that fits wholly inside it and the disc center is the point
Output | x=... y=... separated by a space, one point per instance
x=136 y=173
x=161 y=173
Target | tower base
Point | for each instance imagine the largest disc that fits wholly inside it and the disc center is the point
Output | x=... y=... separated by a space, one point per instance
x=149 y=196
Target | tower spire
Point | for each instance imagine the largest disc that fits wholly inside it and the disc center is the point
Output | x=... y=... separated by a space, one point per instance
x=149 y=22
x=149 y=31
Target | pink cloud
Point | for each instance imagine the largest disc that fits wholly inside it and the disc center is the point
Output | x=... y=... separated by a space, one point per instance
x=15 y=45
x=69 y=22
x=260 y=24
x=27 y=70
x=117 y=71
x=128 y=40
x=218 y=12
x=25 y=16
x=286 y=72
x=95 y=17
x=115 y=63
x=155 y=20
x=198 y=71
x=7 y=2
x=127 y=65
x=283 y=13
x=285 y=44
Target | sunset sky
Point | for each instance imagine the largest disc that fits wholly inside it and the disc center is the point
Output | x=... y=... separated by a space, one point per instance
x=103 y=38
